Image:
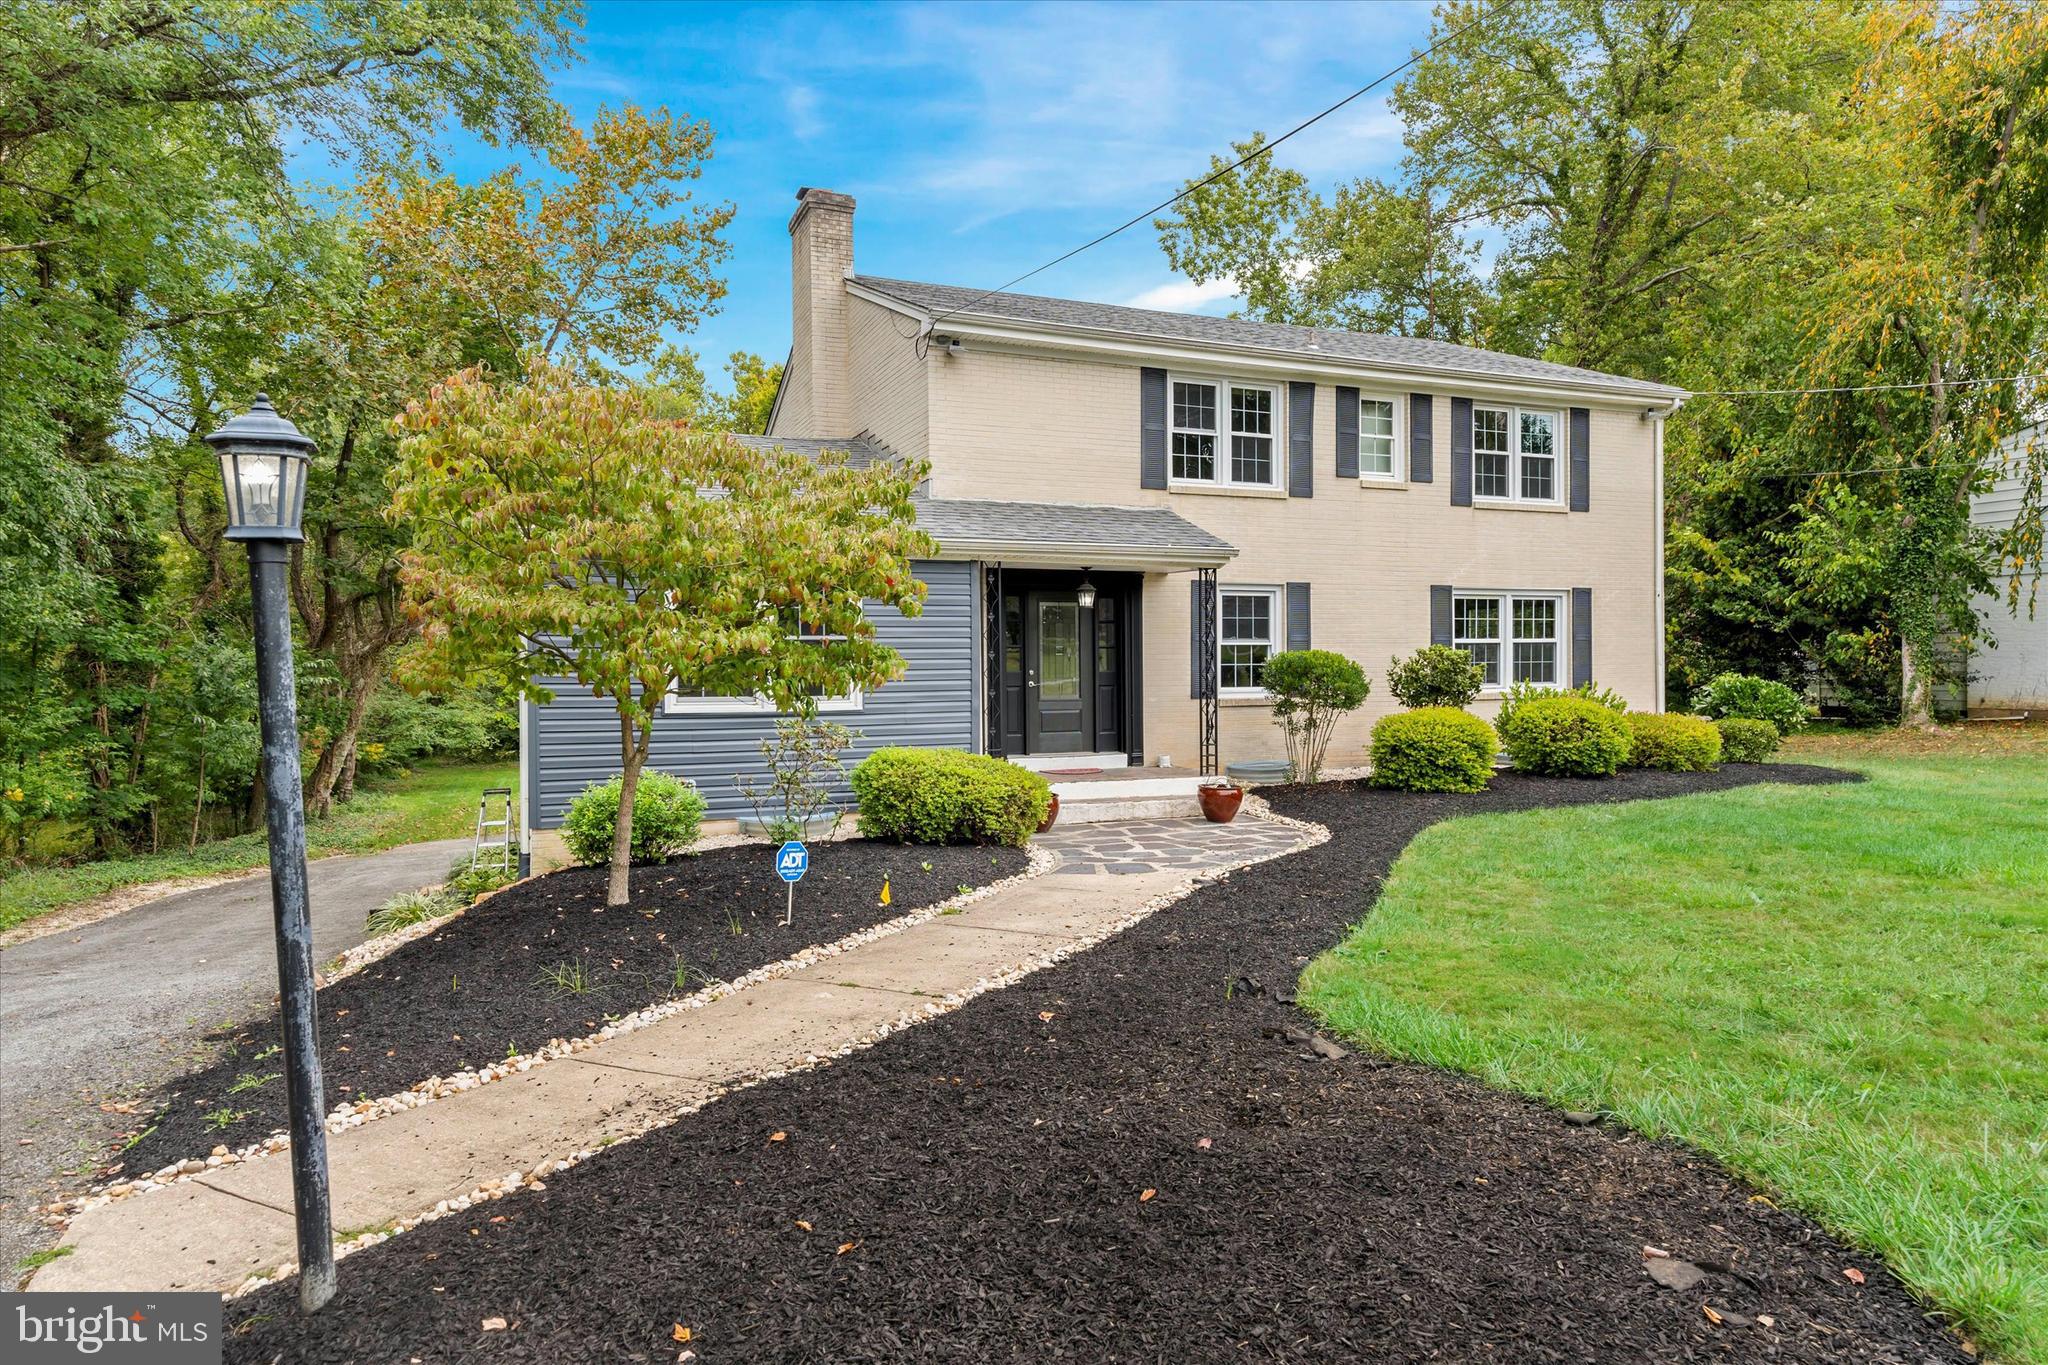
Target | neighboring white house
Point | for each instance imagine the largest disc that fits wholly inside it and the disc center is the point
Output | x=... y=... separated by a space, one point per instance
x=2012 y=674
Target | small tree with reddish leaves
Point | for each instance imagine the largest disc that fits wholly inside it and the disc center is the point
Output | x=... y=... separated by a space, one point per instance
x=560 y=529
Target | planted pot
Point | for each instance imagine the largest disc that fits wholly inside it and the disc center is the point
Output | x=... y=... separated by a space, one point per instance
x=1220 y=801
x=1052 y=814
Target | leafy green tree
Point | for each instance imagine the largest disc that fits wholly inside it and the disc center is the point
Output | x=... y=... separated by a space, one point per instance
x=561 y=528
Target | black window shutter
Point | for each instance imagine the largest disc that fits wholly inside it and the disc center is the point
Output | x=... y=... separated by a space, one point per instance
x=1196 y=635
x=1297 y=616
x=1582 y=458
x=1421 y=439
x=1347 y=433
x=1301 y=439
x=1582 y=636
x=1461 y=452
x=1440 y=614
x=1152 y=424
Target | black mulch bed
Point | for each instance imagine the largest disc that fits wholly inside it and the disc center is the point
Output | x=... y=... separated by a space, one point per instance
x=973 y=1188
x=466 y=994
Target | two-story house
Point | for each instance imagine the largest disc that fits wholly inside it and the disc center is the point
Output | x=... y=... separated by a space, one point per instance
x=1135 y=509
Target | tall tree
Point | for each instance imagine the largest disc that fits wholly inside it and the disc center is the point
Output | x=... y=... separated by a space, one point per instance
x=564 y=529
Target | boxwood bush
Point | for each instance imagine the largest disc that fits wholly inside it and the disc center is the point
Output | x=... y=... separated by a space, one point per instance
x=1435 y=675
x=945 y=796
x=666 y=814
x=1521 y=692
x=1744 y=696
x=1567 y=737
x=1675 y=743
x=1747 y=741
x=1432 y=749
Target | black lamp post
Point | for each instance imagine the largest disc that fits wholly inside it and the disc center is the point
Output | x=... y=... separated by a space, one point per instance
x=263 y=461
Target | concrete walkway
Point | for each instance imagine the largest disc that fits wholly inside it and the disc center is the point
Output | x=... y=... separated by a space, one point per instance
x=105 y=1011
x=216 y=1230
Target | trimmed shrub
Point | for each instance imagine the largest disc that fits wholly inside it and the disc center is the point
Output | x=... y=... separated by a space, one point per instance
x=1526 y=692
x=1436 y=675
x=1433 y=749
x=1746 y=741
x=1310 y=689
x=1745 y=697
x=666 y=814
x=1674 y=743
x=946 y=796
x=1567 y=737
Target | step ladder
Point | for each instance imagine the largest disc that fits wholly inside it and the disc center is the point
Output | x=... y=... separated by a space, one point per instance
x=493 y=852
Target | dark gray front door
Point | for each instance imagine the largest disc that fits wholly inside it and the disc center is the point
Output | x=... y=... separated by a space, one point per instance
x=1058 y=693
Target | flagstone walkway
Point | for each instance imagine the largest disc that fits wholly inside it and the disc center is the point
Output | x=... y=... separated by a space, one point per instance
x=214 y=1231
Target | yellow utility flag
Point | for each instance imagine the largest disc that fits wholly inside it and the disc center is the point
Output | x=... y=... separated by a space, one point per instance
x=885 y=890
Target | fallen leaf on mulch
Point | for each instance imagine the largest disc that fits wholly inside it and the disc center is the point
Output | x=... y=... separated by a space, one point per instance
x=494 y=1324
x=845 y=1247
x=679 y=1333
x=802 y=1224
x=1852 y=1275
x=1712 y=1316
x=1046 y=1015
x=778 y=1136
x=1146 y=1196
x=1673 y=1273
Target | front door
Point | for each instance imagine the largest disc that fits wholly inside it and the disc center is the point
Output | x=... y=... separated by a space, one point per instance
x=1059 y=699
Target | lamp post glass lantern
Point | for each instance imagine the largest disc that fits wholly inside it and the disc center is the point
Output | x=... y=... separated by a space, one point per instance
x=263 y=460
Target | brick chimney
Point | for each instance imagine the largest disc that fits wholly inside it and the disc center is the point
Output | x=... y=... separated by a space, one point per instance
x=820 y=259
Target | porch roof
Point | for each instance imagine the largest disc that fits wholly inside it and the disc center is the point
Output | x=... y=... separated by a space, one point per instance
x=1070 y=535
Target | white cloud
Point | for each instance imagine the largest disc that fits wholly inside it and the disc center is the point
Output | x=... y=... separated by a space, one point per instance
x=801 y=104
x=1185 y=296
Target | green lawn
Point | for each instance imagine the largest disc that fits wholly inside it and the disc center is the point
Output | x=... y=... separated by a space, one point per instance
x=435 y=801
x=1841 y=992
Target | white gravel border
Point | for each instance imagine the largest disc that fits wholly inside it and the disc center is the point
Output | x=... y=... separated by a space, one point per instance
x=536 y=1178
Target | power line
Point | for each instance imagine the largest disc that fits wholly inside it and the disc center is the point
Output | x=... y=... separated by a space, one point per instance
x=1377 y=81
x=1864 y=388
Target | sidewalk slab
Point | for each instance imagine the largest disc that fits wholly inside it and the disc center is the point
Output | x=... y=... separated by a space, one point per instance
x=175 y=1243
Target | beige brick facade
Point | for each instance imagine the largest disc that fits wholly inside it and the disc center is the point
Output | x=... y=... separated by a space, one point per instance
x=1048 y=422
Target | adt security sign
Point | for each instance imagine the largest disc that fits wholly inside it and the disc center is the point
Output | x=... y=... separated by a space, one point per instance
x=792 y=860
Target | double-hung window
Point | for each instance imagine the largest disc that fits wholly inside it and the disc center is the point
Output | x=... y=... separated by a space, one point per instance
x=1512 y=636
x=700 y=702
x=1379 y=441
x=1224 y=433
x=1248 y=618
x=1514 y=455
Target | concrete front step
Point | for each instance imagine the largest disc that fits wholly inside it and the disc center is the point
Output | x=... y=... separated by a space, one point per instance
x=1097 y=809
x=1073 y=763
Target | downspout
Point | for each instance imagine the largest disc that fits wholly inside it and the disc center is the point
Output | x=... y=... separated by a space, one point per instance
x=1657 y=654
x=526 y=786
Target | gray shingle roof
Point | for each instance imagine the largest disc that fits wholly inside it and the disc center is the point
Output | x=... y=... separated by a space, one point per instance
x=861 y=451
x=1406 y=353
x=1058 y=532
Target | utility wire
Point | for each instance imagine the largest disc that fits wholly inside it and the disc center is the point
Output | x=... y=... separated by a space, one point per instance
x=1864 y=388
x=1369 y=86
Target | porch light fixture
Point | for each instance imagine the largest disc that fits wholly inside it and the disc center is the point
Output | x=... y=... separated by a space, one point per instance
x=1084 y=595
x=263 y=461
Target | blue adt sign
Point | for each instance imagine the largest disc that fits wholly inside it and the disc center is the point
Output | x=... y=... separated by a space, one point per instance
x=792 y=861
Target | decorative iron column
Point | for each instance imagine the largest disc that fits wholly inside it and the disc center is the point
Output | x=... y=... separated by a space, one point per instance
x=1205 y=639
x=992 y=657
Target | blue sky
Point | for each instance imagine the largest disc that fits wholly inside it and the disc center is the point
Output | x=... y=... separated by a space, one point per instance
x=984 y=139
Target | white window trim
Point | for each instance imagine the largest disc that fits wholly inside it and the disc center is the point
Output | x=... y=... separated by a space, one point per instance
x=1223 y=385
x=1559 y=438
x=1277 y=615
x=1504 y=598
x=675 y=704
x=1399 y=472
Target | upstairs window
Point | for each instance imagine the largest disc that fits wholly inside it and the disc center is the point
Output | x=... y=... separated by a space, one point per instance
x=1379 y=448
x=1224 y=434
x=1514 y=455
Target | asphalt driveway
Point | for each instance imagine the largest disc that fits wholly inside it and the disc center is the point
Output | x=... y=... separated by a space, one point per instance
x=102 y=1013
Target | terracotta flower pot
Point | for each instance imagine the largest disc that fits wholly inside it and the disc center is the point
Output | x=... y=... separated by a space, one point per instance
x=1220 y=802
x=1052 y=814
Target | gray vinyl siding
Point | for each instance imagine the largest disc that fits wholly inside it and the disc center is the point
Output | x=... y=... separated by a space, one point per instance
x=576 y=736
